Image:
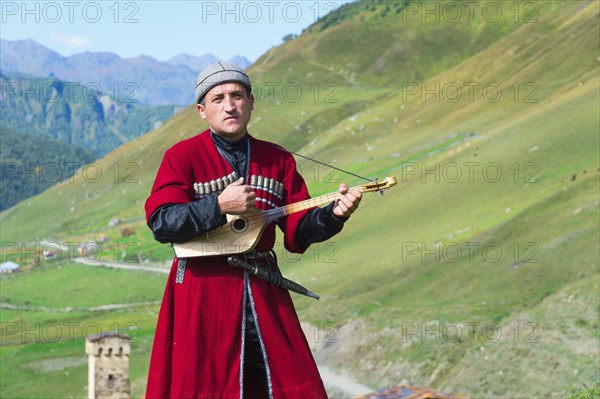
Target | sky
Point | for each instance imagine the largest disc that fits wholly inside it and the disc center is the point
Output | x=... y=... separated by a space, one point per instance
x=159 y=28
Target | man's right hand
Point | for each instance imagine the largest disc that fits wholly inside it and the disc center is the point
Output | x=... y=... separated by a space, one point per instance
x=237 y=198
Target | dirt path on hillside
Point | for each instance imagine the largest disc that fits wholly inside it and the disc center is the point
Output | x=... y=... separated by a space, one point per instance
x=116 y=265
x=341 y=387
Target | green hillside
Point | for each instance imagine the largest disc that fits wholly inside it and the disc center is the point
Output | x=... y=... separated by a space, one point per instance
x=477 y=273
x=77 y=113
x=31 y=164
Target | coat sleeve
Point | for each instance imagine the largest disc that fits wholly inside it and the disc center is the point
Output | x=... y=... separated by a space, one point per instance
x=173 y=183
x=182 y=222
x=294 y=191
x=320 y=224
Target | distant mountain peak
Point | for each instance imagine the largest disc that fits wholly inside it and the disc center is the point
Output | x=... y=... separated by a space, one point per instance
x=154 y=82
x=145 y=58
x=197 y=63
x=241 y=61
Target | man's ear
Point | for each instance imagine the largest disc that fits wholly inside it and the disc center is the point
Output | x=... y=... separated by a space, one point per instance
x=251 y=102
x=200 y=109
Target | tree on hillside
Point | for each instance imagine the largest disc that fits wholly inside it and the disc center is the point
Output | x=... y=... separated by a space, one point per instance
x=289 y=37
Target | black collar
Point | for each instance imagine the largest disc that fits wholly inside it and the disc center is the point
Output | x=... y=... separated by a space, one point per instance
x=228 y=145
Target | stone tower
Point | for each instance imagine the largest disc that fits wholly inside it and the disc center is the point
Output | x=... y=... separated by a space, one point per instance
x=108 y=365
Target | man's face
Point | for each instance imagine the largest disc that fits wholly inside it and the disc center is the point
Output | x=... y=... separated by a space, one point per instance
x=227 y=110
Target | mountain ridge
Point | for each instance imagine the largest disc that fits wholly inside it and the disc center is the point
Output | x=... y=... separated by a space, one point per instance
x=30 y=164
x=157 y=82
x=76 y=114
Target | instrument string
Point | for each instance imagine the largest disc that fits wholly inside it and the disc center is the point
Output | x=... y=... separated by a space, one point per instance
x=333 y=167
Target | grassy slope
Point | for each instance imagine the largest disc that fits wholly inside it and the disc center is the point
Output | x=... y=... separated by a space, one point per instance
x=553 y=221
x=24 y=152
x=559 y=136
x=46 y=347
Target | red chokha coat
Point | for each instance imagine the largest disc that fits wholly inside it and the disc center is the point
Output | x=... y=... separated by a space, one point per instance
x=198 y=345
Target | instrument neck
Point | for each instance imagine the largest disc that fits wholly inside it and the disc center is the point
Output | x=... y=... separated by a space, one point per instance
x=312 y=202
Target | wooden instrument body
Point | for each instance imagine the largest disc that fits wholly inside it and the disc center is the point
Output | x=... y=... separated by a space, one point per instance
x=242 y=233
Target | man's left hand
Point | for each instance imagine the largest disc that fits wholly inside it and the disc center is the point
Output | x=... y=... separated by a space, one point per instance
x=348 y=202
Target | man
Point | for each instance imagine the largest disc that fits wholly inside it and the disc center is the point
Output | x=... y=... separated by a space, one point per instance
x=223 y=333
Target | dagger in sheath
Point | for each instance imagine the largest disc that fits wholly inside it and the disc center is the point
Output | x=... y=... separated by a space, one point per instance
x=271 y=277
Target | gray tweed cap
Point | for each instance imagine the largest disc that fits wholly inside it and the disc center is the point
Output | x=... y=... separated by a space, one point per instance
x=220 y=72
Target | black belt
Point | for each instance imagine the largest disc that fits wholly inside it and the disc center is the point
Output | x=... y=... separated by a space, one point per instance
x=249 y=263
